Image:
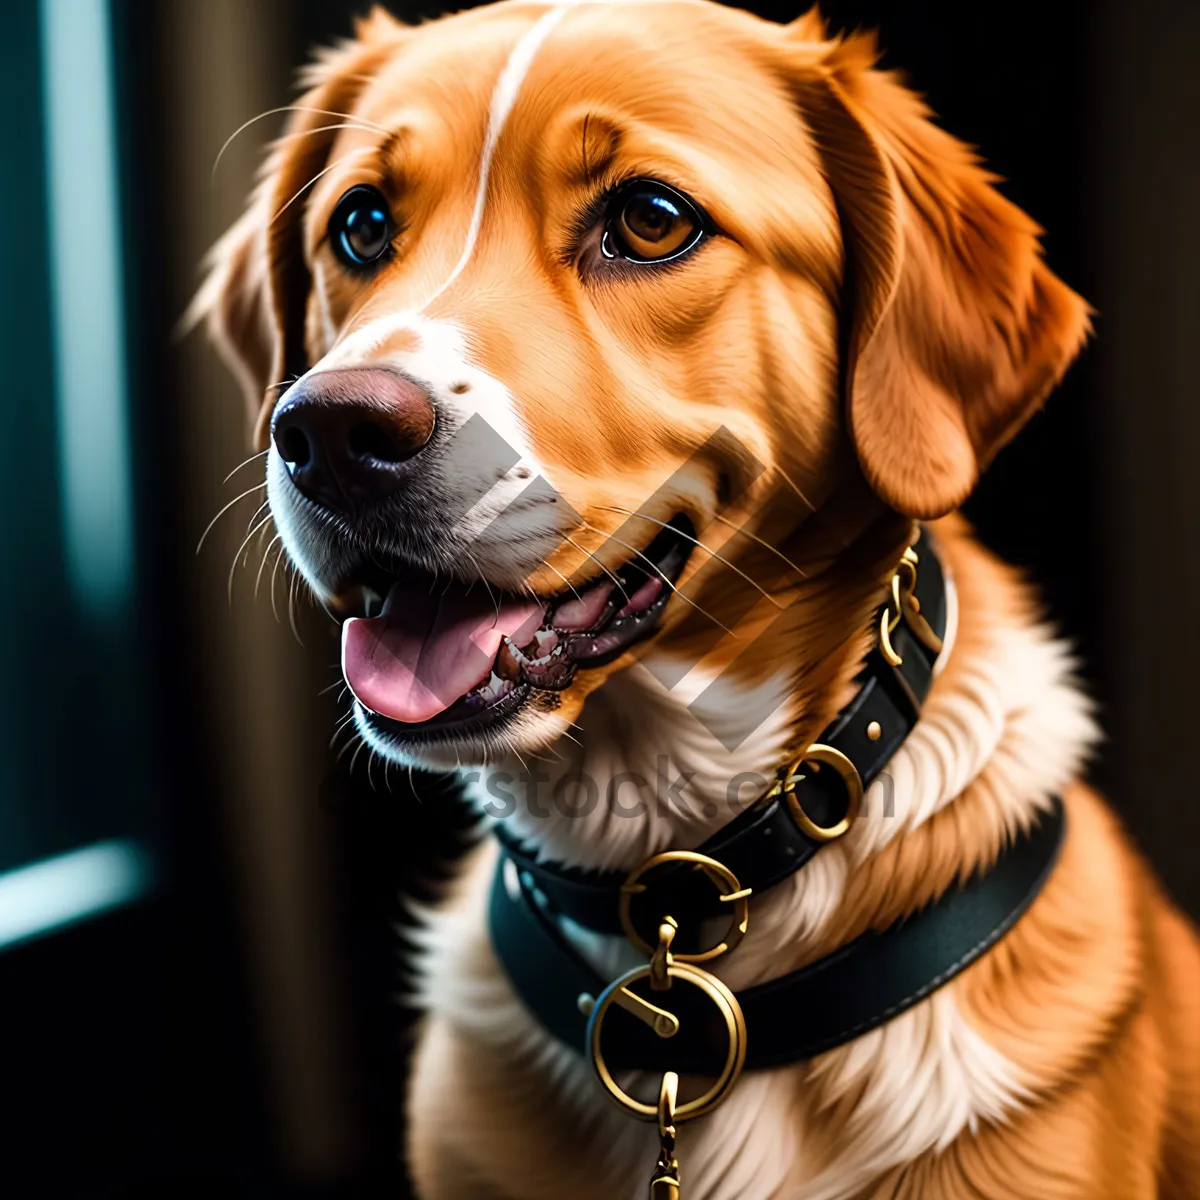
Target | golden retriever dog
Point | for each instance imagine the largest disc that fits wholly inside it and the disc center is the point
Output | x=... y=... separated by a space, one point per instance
x=611 y=352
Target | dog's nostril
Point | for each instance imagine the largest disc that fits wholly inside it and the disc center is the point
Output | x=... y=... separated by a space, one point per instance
x=345 y=435
x=368 y=440
x=293 y=446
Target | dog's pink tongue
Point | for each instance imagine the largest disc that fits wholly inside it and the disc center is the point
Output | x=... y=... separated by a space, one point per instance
x=429 y=648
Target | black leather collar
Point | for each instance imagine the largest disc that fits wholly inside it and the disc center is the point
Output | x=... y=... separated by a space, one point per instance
x=801 y=1014
x=765 y=844
x=820 y=1006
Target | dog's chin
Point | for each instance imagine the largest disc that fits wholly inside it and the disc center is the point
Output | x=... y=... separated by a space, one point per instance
x=529 y=722
x=446 y=672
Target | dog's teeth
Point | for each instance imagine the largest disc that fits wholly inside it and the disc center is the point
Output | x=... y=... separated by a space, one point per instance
x=508 y=662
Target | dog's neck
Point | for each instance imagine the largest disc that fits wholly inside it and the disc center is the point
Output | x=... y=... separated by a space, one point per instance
x=642 y=771
x=651 y=765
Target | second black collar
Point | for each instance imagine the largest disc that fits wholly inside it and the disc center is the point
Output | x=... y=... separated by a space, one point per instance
x=796 y=1016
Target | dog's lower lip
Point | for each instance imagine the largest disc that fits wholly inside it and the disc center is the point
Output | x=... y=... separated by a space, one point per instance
x=461 y=719
x=600 y=621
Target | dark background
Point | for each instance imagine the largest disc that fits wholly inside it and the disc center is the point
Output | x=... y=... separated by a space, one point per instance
x=236 y=1032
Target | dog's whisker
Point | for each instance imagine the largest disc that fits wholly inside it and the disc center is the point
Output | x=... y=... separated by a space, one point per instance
x=281 y=386
x=763 y=543
x=362 y=741
x=288 y=108
x=262 y=534
x=562 y=577
x=319 y=175
x=654 y=567
x=261 y=565
x=225 y=509
x=275 y=571
x=348 y=745
x=695 y=542
x=795 y=488
x=292 y=607
x=301 y=133
x=245 y=544
x=341 y=725
x=255 y=526
x=258 y=512
x=244 y=463
x=602 y=567
x=315 y=599
x=351 y=732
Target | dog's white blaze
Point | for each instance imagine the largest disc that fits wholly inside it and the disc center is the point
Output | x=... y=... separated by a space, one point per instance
x=503 y=98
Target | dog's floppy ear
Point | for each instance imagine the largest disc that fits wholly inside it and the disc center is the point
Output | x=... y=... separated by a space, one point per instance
x=255 y=297
x=957 y=329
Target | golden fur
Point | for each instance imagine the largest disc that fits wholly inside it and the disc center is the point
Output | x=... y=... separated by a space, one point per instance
x=874 y=323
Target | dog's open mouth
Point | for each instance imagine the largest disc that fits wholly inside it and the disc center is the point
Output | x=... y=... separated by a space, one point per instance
x=449 y=657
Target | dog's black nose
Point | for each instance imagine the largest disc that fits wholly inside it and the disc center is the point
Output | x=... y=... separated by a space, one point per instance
x=347 y=436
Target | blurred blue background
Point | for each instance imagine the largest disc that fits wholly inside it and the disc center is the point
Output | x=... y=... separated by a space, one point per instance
x=197 y=954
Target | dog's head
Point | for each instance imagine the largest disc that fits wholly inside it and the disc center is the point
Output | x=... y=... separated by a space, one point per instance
x=537 y=296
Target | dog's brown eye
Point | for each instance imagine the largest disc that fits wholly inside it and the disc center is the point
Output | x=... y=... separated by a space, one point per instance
x=361 y=227
x=651 y=222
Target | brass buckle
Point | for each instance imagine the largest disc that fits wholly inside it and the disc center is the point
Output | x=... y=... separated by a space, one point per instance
x=618 y=992
x=722 y=878
x=904 y=605
x=819 y=754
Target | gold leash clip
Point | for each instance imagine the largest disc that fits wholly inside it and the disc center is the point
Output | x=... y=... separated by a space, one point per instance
x=661 y=959
x=664 y=970
x=665 y=1184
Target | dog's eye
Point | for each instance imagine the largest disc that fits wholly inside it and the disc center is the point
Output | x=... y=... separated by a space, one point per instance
x=650 y=222
x=361 y=227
